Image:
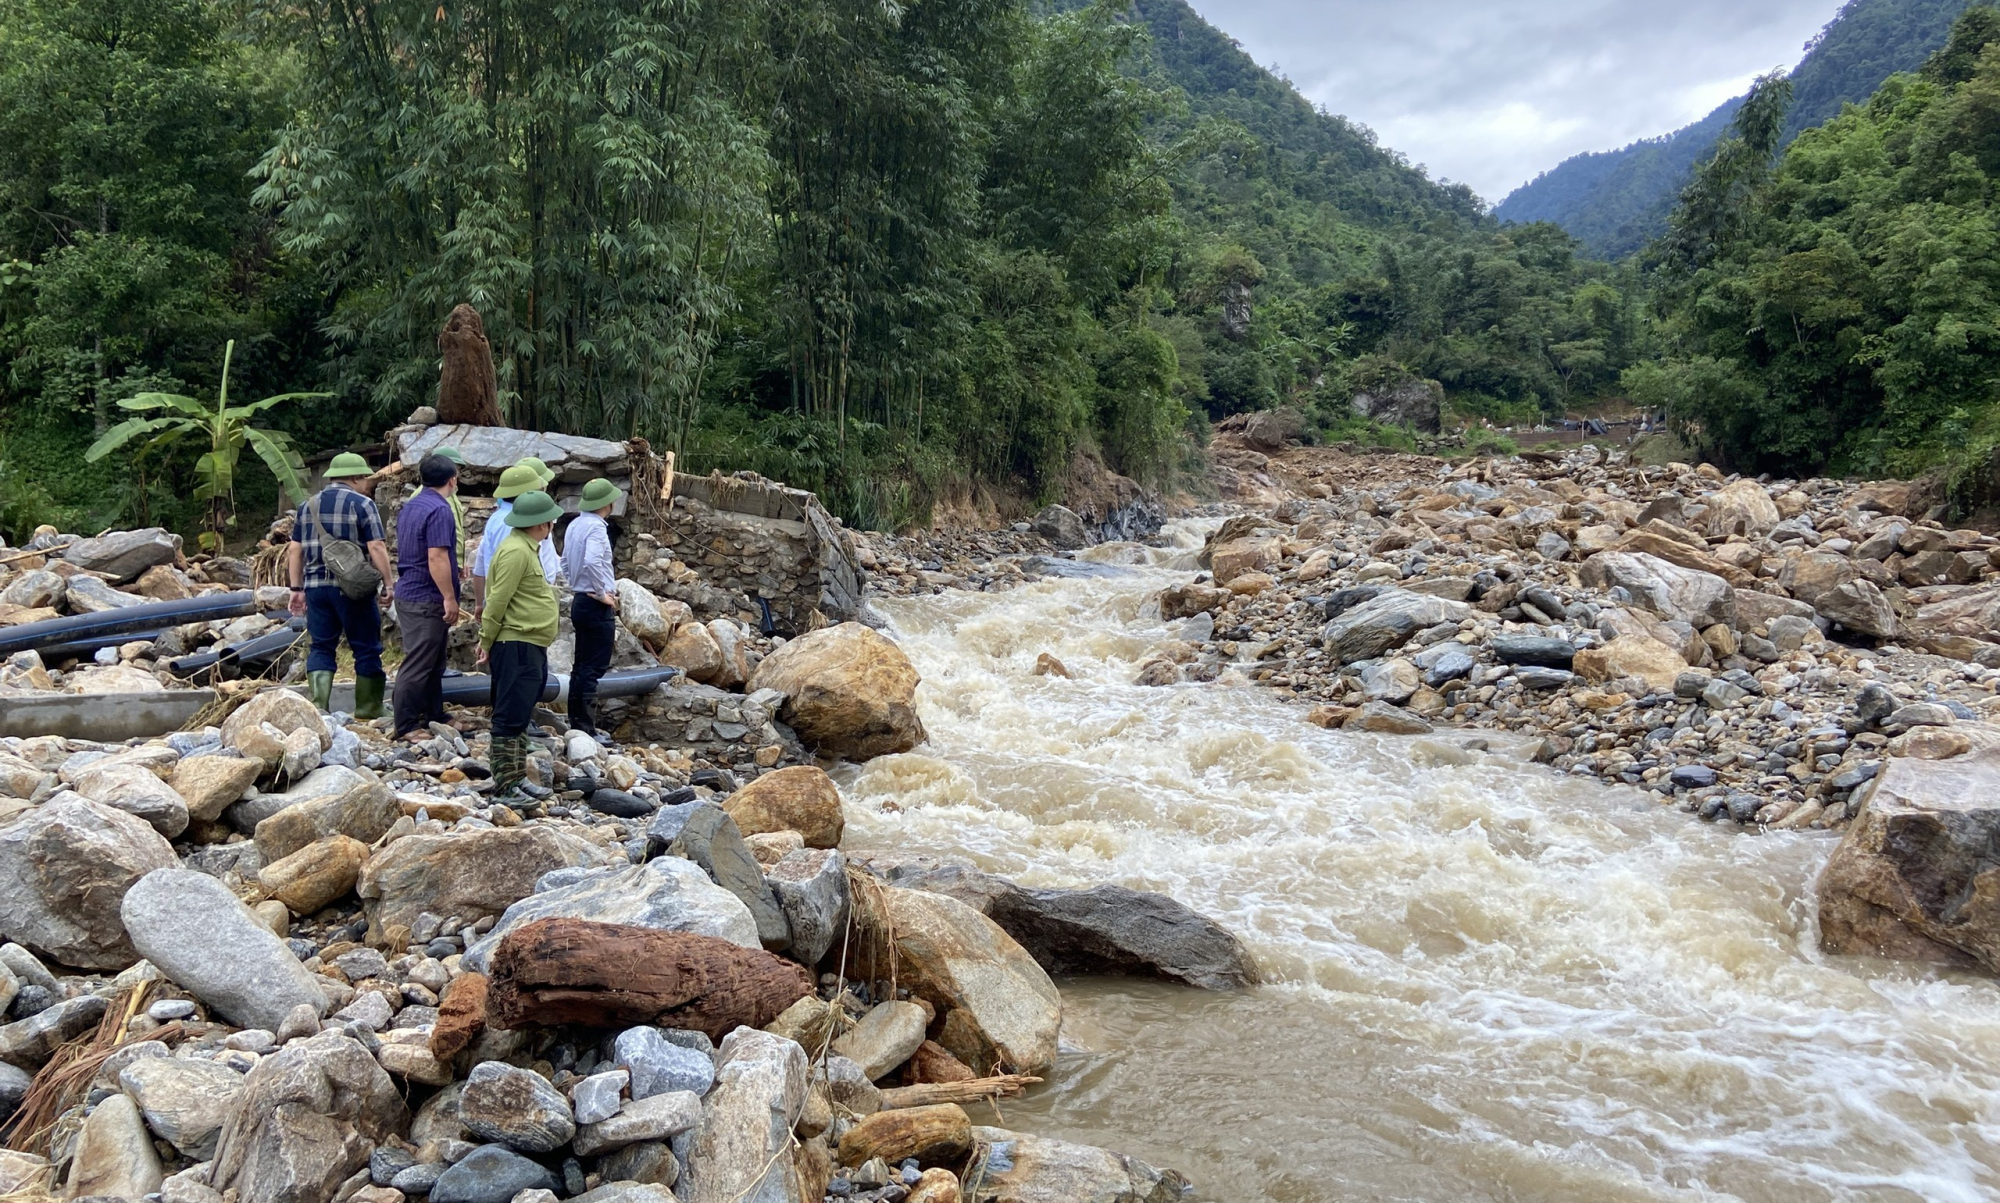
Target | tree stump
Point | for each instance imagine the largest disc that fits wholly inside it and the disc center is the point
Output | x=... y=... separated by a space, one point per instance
x=468 y=389
x=557 y=971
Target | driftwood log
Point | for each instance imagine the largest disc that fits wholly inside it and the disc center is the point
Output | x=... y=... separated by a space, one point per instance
x=461 y=1015
x=556 y=971
x=468 y=388
x=932 y=1135
x=972 y=1091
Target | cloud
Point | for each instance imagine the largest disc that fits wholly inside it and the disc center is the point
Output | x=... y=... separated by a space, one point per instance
x=1492 y=93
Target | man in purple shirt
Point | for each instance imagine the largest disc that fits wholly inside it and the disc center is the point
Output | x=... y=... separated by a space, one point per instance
x=426 y=595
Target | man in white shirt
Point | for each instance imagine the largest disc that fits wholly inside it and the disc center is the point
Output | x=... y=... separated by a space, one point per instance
x=593 y=611
x=519 y=479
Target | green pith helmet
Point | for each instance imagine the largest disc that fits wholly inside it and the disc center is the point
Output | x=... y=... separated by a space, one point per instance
x=450 y=453
x=597 y=494
x=542 y=470
x=347 y=464
x=515 y=481
x=533 y=509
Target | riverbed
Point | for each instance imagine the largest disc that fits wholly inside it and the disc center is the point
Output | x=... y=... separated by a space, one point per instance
x=1486 y=981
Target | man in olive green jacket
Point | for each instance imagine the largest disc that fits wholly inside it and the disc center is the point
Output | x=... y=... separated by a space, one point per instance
x=515 y=631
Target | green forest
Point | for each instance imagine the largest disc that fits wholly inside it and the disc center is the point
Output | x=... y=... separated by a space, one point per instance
x=897 y=251
x=883 y=251
x=1617 y=201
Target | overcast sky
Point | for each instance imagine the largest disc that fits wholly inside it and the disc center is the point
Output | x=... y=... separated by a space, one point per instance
x=1493 y=92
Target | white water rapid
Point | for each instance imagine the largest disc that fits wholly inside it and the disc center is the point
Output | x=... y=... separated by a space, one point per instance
x=1488 y=981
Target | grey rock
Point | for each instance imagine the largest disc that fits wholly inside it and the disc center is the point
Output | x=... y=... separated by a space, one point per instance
x=1537 y=678
x=1386 y=621
x=369 y=1009
x=887 y=1036
x=418 y=1179
x=848 y=1085
x=598 y=1096
x=362 y=964
x=1668 y=590
x=515 y=1107
x=1692 y=776
x=711 y=839
x=1060 y=526
x=1690 y=684
x=655 y=1117
x=811 y=885
x=25 y=966
x=1390 y=681
x=1533 y=650
x=137 y=791
x=1444 y=662
x=1036 y=1169
x=646 y=1162
x=660 y=1066
x=1553 y=546
x=185 y=1101
x=1721 y=695
x=203 y=938
x=88 y=595
x=1919 y=714
x=29 y=1043
x=746 y=1125
x=307 y=1119
x=492 y=1174
x=668 y=894
x=1789 y=632
x=1403 y=400
x=14 y=1083
x=114 y=1157
x=388 y=1161
x=64 y=870
x=35 y=589
x=1875 y=703
x=123 y=555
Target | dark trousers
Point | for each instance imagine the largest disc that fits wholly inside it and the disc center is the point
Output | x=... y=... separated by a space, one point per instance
x=596 y=631
x=331 y=614
x=520 y=670
x=420 y=678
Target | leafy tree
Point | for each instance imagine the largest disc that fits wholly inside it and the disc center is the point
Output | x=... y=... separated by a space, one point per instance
x=226 y=428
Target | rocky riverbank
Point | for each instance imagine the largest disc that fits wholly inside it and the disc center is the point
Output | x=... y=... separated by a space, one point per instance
x=279 y=958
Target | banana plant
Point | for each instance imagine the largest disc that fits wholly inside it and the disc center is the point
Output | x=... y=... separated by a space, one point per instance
x=168 y=419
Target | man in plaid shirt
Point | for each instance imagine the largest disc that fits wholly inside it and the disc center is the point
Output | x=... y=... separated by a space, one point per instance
x=340 y=511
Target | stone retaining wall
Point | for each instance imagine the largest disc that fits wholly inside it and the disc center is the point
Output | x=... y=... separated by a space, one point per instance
x=720 y=543
x=726 y=729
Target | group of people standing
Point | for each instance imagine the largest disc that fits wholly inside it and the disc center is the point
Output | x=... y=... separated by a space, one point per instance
x=511 y=584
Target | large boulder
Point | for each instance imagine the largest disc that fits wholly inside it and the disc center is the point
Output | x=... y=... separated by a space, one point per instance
x=34 y=590
x=114 y=1156
x=516 y=1107
x=667 y=894
x=1636 y=656
x=1914 y=876
x=363 y=813
x=202 y=937
x=122 y=555
x=209 y=785
x=29 y=1043
x=694 y=651
x=315 y=876
x=811 y=885
x=1834 y=587
x=997 y=1006
x=65 y=867
x=709 y=838
x=741 y=1151
x=1689 y=595
x=1254 y=553
x=1401 y=399
x=640 y=611
x=1060 y=526
x=467 y=875
x=284 y=710
x=88 y=595
x=1017 y=1168
x=849 y=692
x=1100 y=929
x=308 y=1117
x=1743 y=508
x=802 y=799
x=185 y=1101
x=1386 y=621
x=137 y=791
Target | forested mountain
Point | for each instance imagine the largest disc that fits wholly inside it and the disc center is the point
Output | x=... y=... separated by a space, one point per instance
x=877 y=250
x=1616 y=201
x=1842 y=306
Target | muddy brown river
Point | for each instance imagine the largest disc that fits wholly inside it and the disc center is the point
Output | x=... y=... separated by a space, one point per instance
x=1487 y=981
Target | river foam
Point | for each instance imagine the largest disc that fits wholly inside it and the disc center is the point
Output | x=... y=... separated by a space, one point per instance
x=1488 y=981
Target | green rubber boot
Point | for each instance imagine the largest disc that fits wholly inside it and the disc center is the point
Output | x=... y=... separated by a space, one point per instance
x=321 y=684
x=368 y=696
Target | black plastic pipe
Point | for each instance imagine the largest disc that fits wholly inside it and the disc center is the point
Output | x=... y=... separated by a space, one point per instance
x=637 y=682
x=252 y=655
x=147 y=616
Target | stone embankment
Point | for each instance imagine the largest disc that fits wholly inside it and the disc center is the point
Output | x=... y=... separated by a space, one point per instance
x=280 y=958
